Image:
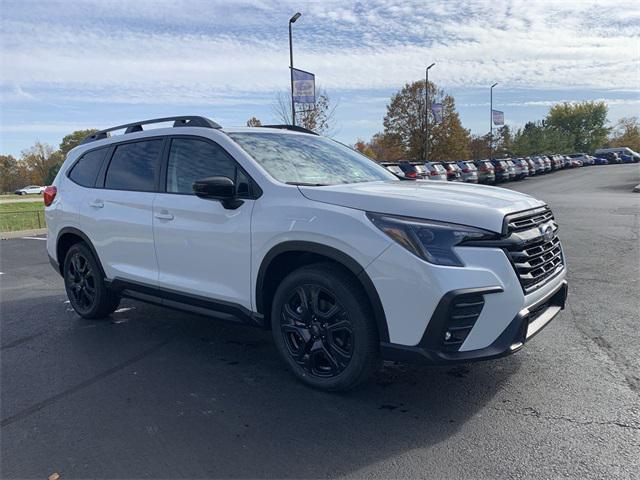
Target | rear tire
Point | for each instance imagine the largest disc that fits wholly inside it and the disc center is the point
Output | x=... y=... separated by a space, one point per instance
x=85 y=286
x=323 y=327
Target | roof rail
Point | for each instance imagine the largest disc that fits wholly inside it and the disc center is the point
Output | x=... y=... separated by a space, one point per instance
x=181 y=121
x=294 y=128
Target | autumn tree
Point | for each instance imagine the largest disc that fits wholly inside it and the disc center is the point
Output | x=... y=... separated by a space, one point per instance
x=254 y=122
x=38 y=162
x=626 y=133
x=479 y=146
x=318 y=118
x=10 y=175
x=449 y=140
x=583 y=124
x=382 y=147
x=405 y=121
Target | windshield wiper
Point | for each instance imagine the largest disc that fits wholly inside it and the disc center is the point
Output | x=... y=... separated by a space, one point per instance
x=304 y=184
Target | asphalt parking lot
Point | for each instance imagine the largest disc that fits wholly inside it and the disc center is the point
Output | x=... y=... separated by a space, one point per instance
x=153 y=393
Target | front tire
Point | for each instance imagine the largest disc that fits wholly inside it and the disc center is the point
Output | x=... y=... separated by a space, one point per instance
x=84 y=283
x=323 y=327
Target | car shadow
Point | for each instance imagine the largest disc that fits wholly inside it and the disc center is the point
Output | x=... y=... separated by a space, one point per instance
x=152 y=392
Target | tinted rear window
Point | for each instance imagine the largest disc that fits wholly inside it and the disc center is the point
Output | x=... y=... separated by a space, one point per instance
x=85 y=171
x=134 y=166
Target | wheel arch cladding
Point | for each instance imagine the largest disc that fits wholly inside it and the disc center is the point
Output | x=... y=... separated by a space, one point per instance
x=69 y=236
x=288 y=256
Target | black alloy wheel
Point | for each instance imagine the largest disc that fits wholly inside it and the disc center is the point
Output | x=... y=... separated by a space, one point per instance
x=317 y=331
x=81 y=282
x=324 y=328
x=84 y=282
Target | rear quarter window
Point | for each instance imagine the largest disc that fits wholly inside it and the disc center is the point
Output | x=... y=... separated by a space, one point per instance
x=85 y=170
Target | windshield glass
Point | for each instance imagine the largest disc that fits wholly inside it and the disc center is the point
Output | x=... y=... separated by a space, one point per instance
x=309 y=160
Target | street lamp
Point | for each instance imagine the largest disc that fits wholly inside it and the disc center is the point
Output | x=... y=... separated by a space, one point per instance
x=292 y=20
x=426 y=113
x=491 y=123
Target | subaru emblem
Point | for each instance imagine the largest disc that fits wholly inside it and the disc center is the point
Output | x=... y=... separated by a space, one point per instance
x=546 y=232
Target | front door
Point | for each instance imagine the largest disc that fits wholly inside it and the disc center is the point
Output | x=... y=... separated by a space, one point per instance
x=203 y=248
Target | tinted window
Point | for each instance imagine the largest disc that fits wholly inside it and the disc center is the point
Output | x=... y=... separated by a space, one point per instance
x=85 y=171
x=191 y=159
x=134 y=166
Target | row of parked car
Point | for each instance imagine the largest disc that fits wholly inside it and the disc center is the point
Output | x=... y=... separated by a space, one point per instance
x=500 y=170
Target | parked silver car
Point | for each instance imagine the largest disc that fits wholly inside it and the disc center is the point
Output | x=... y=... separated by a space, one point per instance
x=435 y=171
x=469 y=171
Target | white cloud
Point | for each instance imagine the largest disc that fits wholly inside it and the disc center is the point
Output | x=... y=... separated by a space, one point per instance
x=181 y=53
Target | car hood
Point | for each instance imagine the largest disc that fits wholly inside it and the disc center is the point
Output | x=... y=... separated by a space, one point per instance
x=467 y=204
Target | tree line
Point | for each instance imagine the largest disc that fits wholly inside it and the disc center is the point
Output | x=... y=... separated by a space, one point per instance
x=567 y=128
x=38 y=164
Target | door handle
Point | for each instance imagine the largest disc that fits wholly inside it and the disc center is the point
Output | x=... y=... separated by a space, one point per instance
x=96 y=204
x=164 y=215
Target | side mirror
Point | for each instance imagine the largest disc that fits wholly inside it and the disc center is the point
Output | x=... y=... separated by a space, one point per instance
x=218 y=188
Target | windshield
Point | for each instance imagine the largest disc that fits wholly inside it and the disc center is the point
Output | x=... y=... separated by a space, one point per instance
x=309 y=159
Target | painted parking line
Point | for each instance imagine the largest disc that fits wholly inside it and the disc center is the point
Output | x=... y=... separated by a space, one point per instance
x=34 y=238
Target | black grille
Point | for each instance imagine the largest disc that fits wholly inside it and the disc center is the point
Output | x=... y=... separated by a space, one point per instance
x=524 y=221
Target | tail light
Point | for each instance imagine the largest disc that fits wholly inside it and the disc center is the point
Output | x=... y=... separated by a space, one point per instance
x=434 y=173
x=49 y=195
x=411 y=174
x=466 y=170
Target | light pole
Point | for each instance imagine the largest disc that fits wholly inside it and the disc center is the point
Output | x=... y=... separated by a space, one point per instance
x=292 y=20
x=426 y=112
x=491 y=123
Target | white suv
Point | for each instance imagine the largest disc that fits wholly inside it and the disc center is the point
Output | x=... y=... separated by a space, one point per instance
x=283 y=229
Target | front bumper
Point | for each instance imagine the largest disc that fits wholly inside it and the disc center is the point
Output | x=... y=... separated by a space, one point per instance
x=526 y=324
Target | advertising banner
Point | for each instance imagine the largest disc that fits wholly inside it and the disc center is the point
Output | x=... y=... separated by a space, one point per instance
x=304 y=86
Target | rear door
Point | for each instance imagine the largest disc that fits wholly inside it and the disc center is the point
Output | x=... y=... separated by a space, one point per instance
x=117 y=214
x=203 y=248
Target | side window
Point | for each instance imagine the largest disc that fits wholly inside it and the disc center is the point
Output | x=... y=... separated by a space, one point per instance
x=191 y=159
x=134 y=166
x=85 y=171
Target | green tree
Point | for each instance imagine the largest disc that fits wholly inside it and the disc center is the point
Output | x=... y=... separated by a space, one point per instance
x=502 y=141
x=583 y=124
x=626 y=133
x=539 y=138
x=73 y=140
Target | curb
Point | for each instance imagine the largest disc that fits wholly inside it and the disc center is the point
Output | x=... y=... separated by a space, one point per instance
x=22 y=233
x=637 y=188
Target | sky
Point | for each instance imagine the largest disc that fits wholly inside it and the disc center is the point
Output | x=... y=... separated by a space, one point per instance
x=67 y=65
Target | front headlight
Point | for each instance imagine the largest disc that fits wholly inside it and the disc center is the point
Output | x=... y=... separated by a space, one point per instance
x=430 y=240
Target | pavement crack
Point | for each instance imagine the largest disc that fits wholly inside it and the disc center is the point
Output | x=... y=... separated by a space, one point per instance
x=76 y=388
x=532 y=412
